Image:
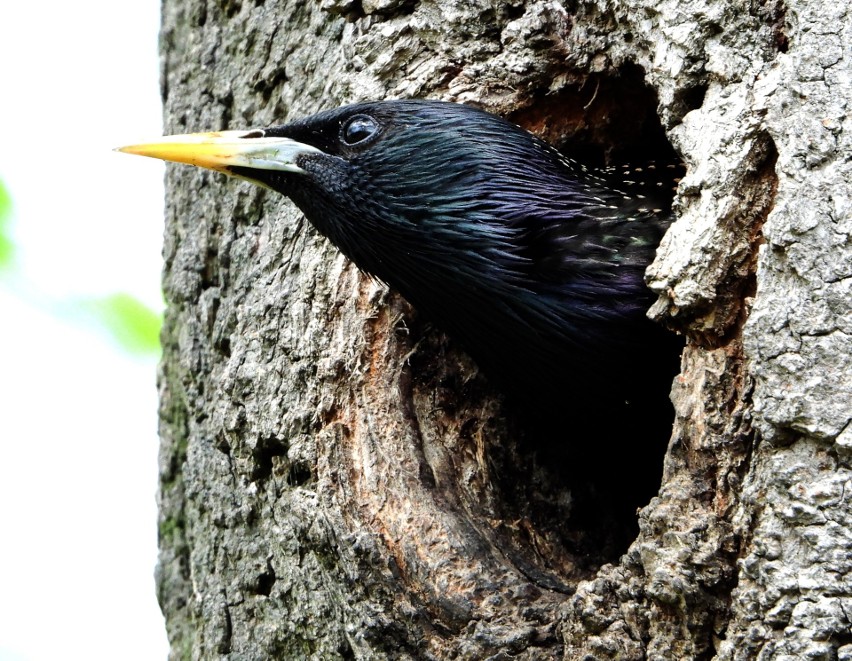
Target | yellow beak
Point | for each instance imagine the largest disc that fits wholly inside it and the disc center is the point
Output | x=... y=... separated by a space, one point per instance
x=223 y=150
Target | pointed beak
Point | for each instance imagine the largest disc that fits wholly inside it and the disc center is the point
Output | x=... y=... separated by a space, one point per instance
x=224 y=150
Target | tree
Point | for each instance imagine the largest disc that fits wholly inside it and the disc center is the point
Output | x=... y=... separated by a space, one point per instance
x=337 y=481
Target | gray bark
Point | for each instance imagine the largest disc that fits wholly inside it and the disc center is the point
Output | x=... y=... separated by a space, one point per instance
x=334 y=473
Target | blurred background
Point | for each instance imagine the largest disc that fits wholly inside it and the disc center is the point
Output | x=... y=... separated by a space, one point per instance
x=80 y=307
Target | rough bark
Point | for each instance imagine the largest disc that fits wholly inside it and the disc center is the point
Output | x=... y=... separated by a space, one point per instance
x=337 y=481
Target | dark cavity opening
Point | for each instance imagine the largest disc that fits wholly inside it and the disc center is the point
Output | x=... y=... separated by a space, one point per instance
x=605 y=459
x=606 y=120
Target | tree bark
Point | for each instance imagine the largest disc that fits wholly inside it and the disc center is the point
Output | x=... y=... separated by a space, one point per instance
x=338 y=481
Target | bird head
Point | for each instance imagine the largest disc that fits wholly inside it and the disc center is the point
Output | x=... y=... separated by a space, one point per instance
x=393 y=184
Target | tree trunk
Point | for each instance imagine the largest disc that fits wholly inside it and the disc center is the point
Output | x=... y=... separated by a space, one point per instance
x=338 y=481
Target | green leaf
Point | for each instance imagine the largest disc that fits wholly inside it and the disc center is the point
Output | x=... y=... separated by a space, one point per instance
x=134 y=325
x=7 y=251
x=7 y=248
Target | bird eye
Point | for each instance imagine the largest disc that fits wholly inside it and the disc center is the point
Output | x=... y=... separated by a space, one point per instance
x=358 y=129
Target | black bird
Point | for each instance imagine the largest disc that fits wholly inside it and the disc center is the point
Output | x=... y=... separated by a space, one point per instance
x=532 y=261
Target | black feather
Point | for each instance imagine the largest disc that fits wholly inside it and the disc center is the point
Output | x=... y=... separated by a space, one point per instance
x=534 y=262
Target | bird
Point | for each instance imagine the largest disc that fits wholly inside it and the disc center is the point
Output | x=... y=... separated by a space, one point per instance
x=533 y=261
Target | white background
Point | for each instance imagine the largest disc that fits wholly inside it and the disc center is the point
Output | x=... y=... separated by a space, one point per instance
x=78 y=445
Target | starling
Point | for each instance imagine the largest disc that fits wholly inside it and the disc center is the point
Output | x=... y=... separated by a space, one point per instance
x=533 y=261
